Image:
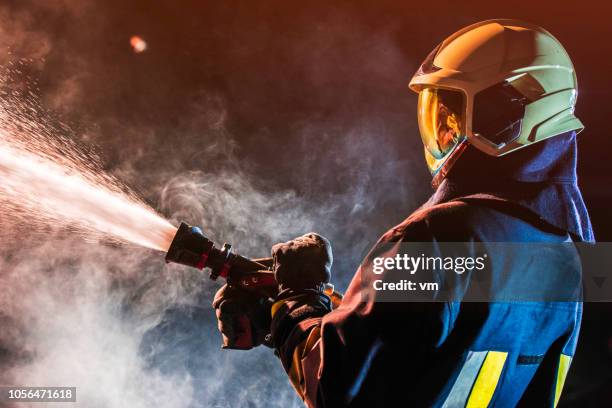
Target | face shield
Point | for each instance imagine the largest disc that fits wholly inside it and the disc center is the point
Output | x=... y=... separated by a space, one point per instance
x=441 y=124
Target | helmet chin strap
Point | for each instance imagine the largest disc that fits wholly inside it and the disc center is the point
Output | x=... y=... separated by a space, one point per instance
x=448 y=164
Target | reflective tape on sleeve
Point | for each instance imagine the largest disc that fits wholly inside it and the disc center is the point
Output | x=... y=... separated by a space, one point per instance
x=487 y=380
x=564 y=365
x=477 y=380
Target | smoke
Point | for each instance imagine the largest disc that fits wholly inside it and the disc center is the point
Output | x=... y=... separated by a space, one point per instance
x=253 y=155
x=72 y=329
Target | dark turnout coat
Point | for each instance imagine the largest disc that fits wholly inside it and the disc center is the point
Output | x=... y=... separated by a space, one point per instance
x=453 y=353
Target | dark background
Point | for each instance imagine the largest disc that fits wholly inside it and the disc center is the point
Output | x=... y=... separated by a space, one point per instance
x=305 y=97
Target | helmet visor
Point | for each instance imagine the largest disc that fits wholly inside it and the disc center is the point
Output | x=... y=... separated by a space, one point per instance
x=440 y=120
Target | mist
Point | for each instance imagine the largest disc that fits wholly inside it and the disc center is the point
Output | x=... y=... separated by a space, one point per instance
x=251 y=156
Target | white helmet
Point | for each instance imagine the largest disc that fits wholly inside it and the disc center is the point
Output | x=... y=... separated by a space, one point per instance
x=499 y=85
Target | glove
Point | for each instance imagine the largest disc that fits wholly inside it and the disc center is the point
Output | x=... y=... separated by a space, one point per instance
x=243 y=317
x=303 y=263
x=301 y=267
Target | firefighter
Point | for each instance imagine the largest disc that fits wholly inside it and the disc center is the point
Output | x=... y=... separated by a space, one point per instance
x=496 y=117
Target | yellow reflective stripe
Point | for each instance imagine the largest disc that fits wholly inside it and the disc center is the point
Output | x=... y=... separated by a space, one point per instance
x=277 y=305
x=460 y=392
x=564 y=365
x=487 y=379
x=296 y=372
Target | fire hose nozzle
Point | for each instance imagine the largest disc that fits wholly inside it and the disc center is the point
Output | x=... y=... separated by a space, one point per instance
x=192 y=248
x=188 y=246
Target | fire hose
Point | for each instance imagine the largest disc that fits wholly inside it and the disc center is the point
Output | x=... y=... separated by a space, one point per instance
x=192 y=248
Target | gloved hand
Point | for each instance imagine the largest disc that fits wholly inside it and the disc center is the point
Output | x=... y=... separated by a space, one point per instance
x=243 y=317
x=301 y=267
x=303 y=263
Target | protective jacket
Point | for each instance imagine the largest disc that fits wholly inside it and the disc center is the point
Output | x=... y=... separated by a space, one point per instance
x=453 y=354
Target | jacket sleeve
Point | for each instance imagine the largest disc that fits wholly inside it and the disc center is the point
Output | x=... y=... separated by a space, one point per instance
x=329 y=355
x=296 y=332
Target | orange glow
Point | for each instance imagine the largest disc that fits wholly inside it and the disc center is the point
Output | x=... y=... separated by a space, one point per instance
x=138 y=44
